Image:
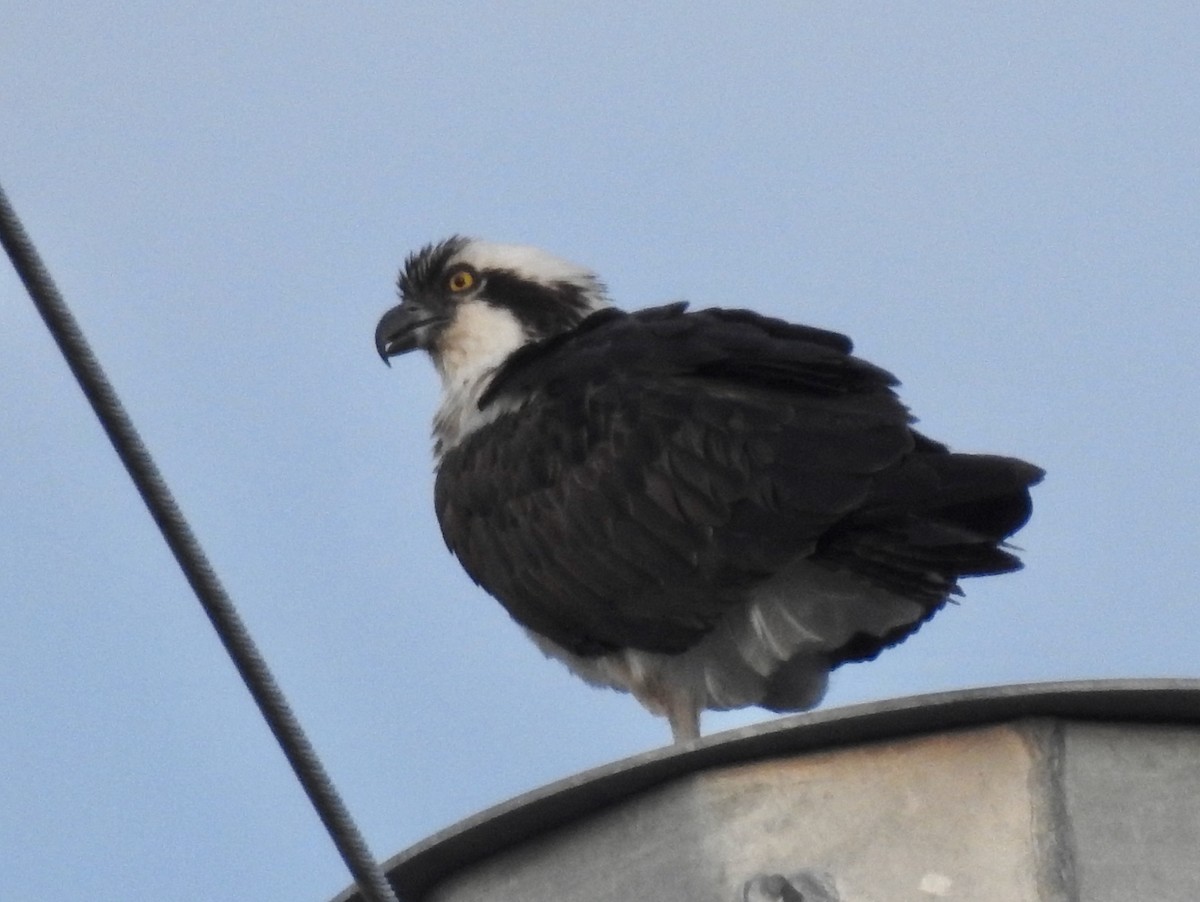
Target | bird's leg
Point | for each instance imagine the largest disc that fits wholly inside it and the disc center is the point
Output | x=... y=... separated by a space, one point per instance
x=657 y=696
x=684 y=716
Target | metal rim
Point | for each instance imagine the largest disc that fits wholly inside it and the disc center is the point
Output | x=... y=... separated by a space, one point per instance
x=413 y=871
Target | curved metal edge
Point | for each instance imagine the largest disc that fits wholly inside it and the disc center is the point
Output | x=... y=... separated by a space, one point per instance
x=413 y=871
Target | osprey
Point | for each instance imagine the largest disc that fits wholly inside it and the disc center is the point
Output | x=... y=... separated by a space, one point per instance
x=706 y=509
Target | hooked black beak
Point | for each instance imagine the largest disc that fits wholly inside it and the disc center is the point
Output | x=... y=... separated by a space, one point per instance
x=400 y=330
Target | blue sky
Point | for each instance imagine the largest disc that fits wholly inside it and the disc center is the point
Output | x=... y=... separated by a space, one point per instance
x=999 y=202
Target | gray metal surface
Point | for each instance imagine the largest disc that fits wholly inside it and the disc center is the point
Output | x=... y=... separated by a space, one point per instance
x=1133 y=804
x=1054 y=791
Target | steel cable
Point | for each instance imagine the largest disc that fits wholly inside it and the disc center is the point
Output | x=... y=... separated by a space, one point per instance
x=191 y=558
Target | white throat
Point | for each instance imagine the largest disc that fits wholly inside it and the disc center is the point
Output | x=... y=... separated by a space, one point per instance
x=470 y=350
x=479 y=340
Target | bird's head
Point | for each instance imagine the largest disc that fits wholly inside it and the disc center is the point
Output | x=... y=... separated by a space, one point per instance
x=471 y=303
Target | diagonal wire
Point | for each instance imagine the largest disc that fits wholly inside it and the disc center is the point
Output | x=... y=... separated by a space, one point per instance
x=191 y=558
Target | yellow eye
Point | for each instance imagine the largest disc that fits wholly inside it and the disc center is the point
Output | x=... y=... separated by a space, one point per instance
x=460 y=280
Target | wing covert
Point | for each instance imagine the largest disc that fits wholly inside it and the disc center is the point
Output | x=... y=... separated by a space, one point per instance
x=655 y=464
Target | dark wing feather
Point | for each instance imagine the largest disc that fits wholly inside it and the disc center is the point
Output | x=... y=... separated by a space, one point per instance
x=664 y=462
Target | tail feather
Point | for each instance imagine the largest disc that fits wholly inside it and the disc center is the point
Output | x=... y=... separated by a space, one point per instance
x=942 y=514
x=984 y=493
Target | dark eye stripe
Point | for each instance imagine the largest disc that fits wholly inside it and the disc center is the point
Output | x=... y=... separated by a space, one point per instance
x=544 y=309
